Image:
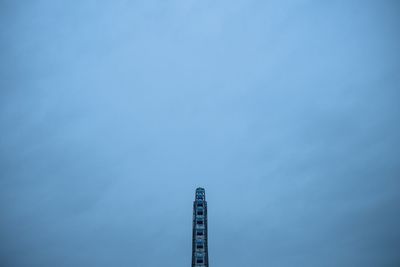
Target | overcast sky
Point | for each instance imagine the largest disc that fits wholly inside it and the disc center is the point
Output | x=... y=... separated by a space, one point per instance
x=113 y=112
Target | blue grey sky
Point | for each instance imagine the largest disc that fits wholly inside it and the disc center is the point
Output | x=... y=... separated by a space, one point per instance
x=113 y=112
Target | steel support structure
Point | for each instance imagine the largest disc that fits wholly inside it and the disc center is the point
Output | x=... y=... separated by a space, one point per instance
x=200 y=230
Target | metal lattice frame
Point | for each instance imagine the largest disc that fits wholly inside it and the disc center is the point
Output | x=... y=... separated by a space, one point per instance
x=200 y=230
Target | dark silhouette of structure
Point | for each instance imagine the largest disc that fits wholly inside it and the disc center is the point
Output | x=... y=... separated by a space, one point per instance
x=200 y=231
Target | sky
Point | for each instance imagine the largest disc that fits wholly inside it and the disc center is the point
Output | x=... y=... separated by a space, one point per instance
x=113 y=112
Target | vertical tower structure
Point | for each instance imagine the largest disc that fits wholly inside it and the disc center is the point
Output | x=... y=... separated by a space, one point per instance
x=200 y=230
